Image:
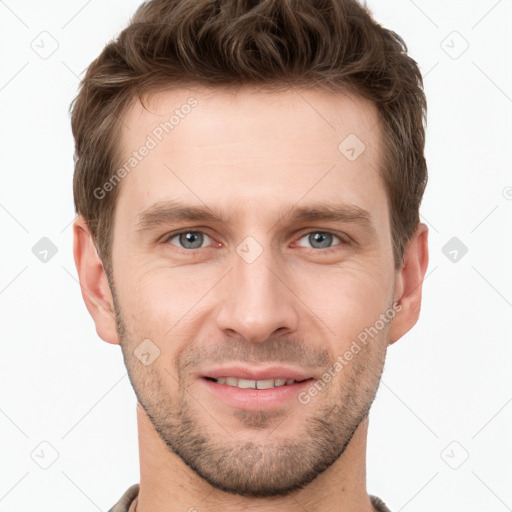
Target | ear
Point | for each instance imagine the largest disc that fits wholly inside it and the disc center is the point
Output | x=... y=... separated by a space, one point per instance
x=409 y=282
x=93 y=282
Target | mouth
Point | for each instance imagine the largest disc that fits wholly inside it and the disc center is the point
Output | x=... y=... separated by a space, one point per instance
x=255 y=388
x=255 y=384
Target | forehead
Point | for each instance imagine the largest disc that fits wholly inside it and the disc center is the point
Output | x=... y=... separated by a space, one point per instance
x=251 y=148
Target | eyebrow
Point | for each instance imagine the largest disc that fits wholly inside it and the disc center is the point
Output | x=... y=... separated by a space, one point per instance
x=167 y=212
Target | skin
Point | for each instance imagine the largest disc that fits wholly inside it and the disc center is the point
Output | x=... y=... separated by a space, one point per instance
x=252 y=155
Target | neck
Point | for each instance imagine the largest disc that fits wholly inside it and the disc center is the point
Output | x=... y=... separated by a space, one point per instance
x=167 y=484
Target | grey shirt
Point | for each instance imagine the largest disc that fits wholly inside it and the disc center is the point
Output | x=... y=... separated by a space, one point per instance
x=124 y=504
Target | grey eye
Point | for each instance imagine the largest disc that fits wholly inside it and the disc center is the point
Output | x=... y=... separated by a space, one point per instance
x=189 y=239
x=320 y=239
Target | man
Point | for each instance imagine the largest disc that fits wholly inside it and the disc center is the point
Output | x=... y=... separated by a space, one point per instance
x=248 y=177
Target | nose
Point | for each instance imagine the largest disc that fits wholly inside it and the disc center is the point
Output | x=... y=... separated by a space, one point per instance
x=257 y=300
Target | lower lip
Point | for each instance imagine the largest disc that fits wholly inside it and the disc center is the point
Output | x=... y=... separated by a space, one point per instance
x=256 y=399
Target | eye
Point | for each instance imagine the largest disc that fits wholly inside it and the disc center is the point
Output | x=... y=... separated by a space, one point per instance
x=322 y=239
x=191 y=240
x=188 y=239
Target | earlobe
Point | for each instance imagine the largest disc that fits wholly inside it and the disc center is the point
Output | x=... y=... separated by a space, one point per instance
x=93 y=282
x=409 y=283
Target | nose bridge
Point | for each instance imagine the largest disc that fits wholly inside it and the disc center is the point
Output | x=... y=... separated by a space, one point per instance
x=257 y=302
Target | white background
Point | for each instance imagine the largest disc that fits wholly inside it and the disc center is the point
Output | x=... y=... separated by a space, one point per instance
x=446 y=392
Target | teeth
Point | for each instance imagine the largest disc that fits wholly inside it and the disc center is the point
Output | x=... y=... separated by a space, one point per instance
x=254 y=384
x=266 y=384
x=244 y=383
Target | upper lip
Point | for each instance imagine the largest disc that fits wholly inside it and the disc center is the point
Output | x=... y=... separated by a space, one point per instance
x=253 y=373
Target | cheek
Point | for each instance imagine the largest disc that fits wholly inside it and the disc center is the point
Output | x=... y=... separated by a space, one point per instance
x=348 y=300
x=159 y=303
x=145 y=301
x=345 y=298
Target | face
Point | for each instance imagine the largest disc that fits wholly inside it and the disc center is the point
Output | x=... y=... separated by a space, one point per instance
x=273 y=289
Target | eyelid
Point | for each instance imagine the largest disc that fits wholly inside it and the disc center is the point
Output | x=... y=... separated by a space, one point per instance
x=167 y=237
x=344 y=238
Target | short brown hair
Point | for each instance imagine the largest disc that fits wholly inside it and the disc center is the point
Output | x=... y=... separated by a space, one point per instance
x=272 y=44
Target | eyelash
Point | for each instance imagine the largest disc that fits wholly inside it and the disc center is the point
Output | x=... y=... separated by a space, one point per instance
x=344 y=240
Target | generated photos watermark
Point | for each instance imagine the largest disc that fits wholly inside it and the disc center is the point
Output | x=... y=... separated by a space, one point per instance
x=343 y=359
x=152 y=140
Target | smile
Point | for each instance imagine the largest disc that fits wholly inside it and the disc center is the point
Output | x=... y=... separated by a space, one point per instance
x=254 y=384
